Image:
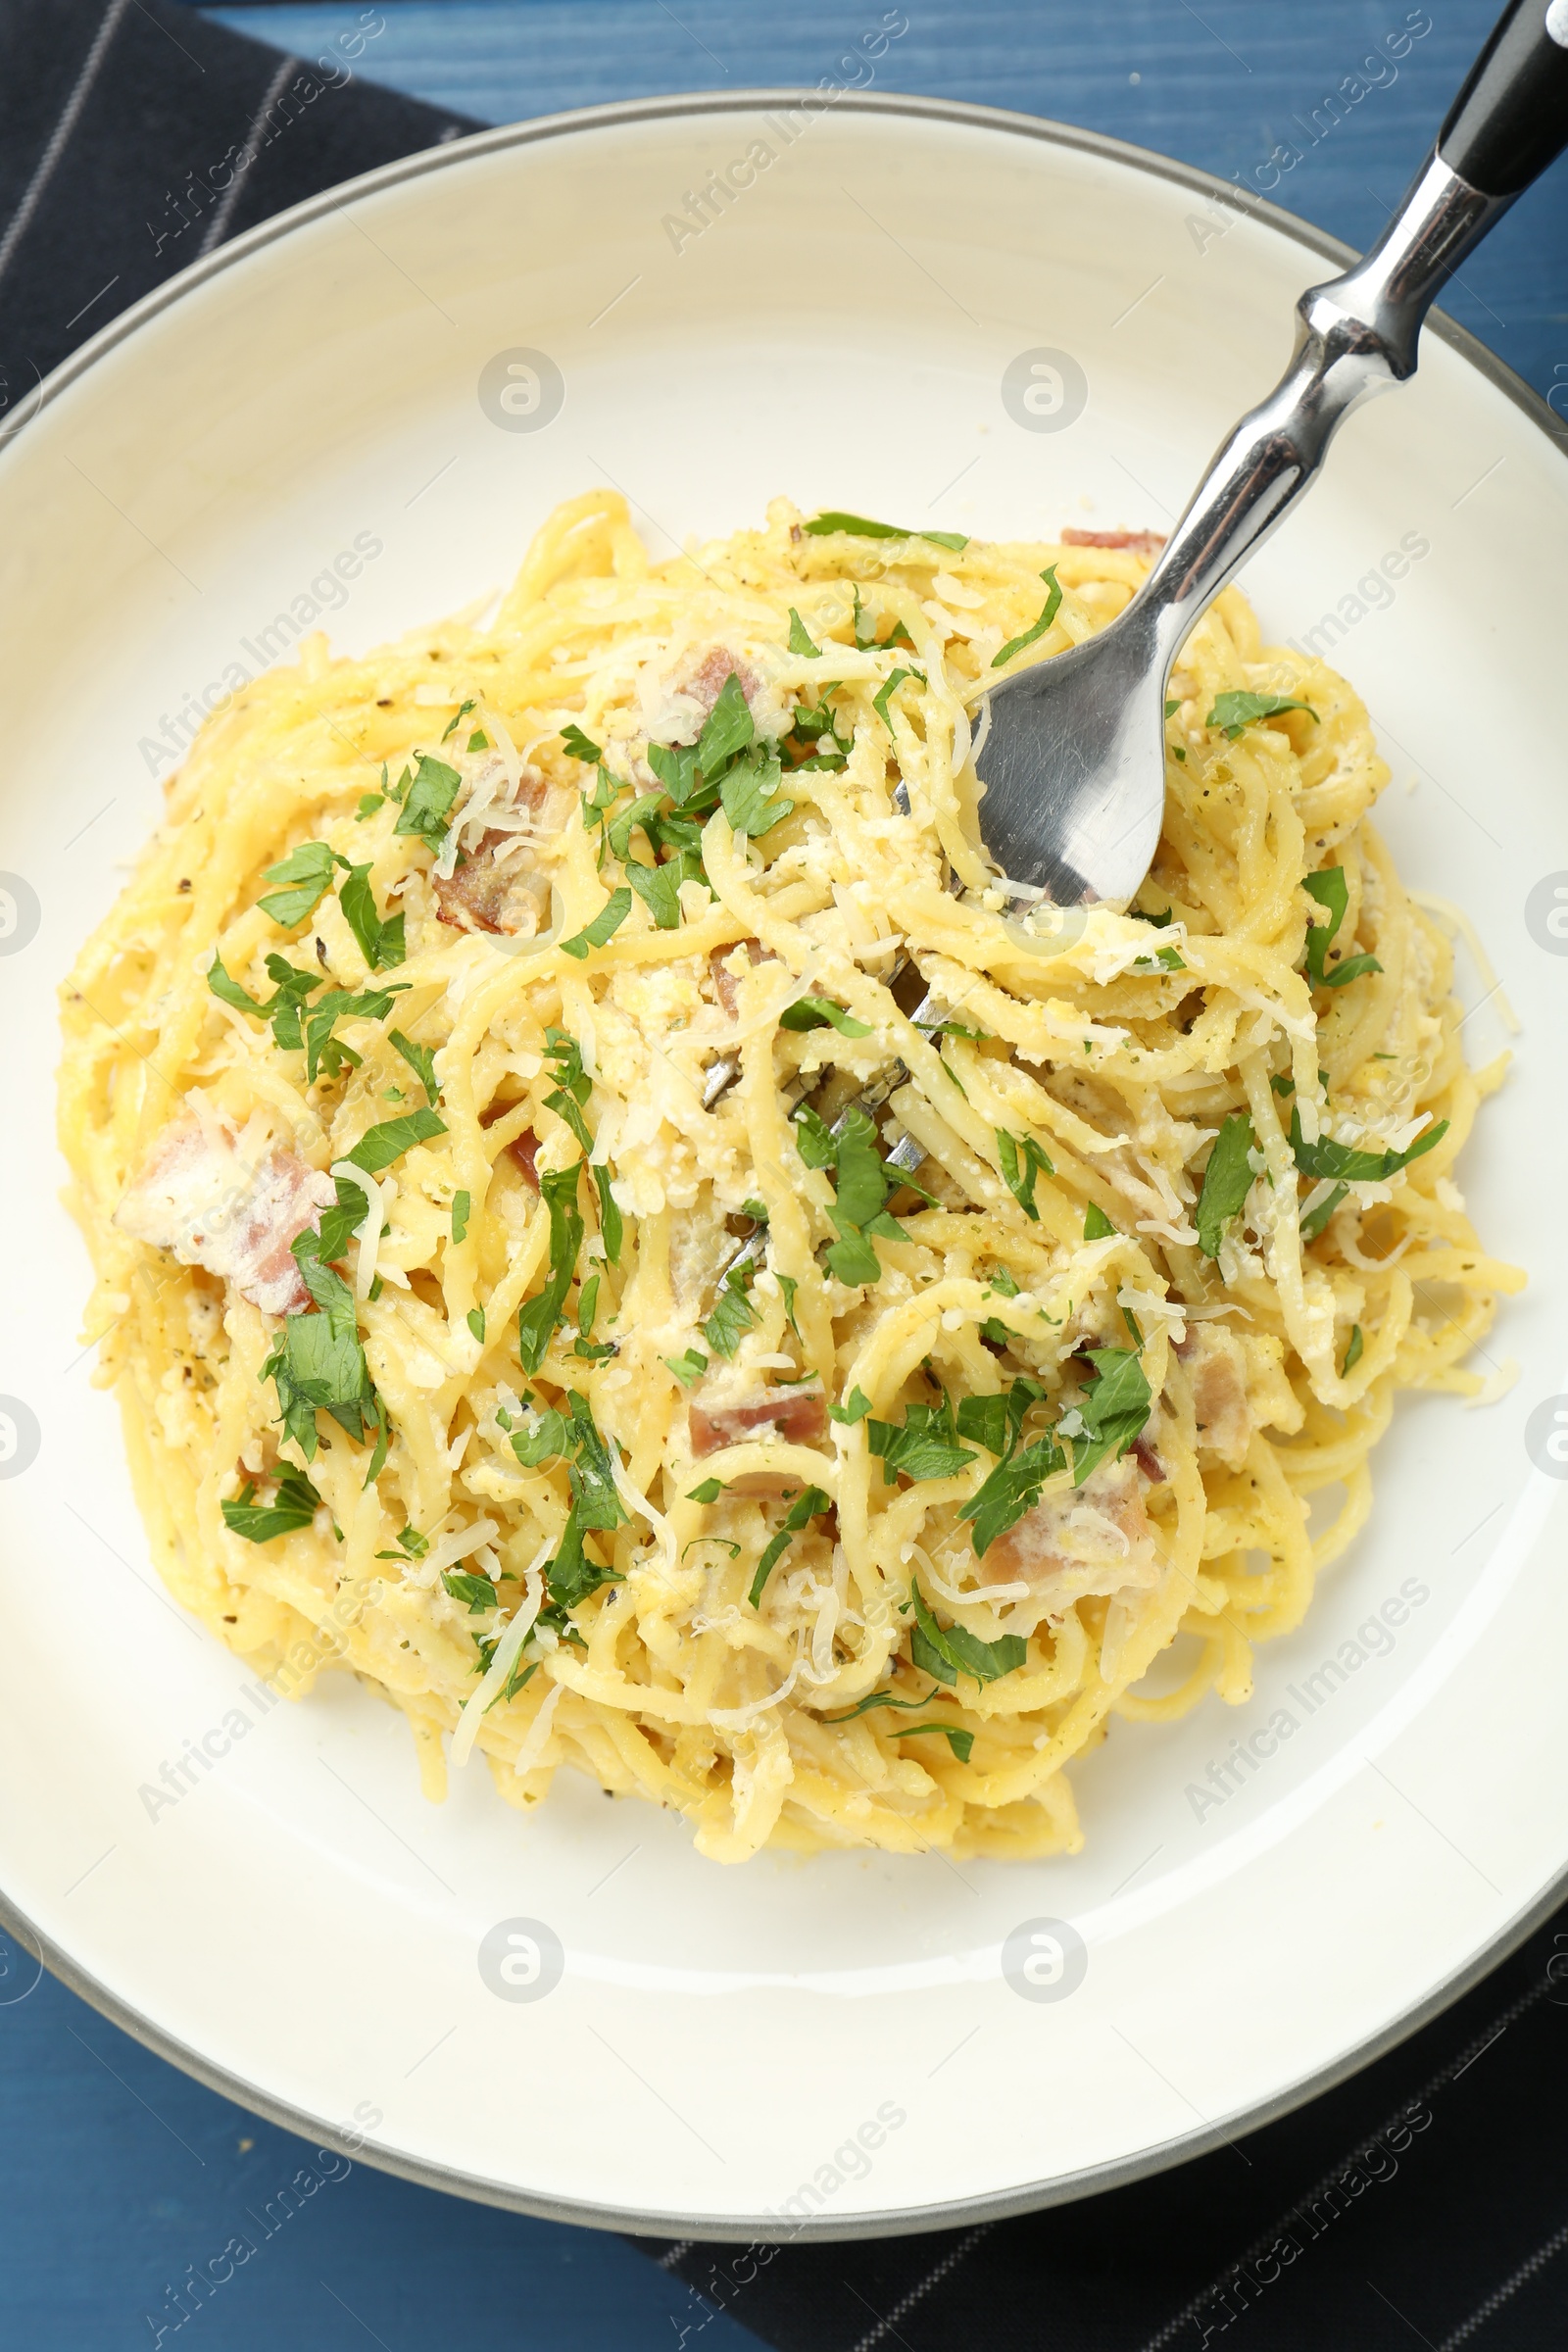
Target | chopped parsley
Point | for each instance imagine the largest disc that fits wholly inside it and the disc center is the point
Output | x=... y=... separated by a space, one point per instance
x=308 y=873
x=820 y=1013
x=475 y=1320
x=957 y=1739
x=976 y=1037
x=378 y=1146
x=860 y=1188
x=689 y=1366
x=457 y=719
x=1227 y=1181
x=547 y=1438
x=1013 y=1486
x=856 y=526
x=579 y=746
x=854 y=1408
x=676 y=767
x=946 y=1651
x=1022 y=1165
x=1353 y=1354
x=1330 y=891
x=995 y=1422
x=640 y=814
x=709 y=1492
x=726 y=731
x=801 y=1512
x=477 y=1593
x=612 y=1228
x=799 y=636
x=1097 y=1227
x=924 y=1444
x=881 y=1698
x=584 y=1345
x=1115 y=1410
x=299 y=1026
x=750 y=796
x=1015 y=645
x=606 y=923
x=591 y=1468
x=864 y=631
x=817 y=725
x=412 y=1545
x=338 y=1223
x=597 y=804
x=539 y=1316
x=1314 y=1221
x=421 y=1061
x=325 y=1054
x=228 y=989
x=460 y=1206
x=291 y=986
x=1355 y=967
x=573 y=1086
x=733 y=1312
x=293 y=1506
x=1238 y=708
x=1339 y=1162
x=880 y=701
x=380 y=939
x=427 y=809
x=1013 y=1489
x=596 y=1505
x=658 y=888
x=318 y=1361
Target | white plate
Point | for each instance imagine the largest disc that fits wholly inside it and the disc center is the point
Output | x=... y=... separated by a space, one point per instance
x=299 y=1928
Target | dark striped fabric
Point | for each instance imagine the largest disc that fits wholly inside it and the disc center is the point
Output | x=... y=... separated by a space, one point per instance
x=1425 y=2201
x=134 y=136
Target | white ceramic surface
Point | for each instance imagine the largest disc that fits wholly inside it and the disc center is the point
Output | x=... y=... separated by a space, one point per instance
x=298 y=1926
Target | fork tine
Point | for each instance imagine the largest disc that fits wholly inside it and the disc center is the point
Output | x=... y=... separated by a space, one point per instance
x=905 y=1154
x=721 y=1075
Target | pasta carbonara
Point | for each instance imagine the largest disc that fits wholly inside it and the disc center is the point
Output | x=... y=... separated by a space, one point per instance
x=613 y=1228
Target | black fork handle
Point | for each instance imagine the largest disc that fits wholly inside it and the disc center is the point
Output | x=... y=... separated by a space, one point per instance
x=1510 y=120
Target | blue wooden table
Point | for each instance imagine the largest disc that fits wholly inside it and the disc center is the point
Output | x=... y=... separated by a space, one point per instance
x=1305 y=102
x=118 y=2174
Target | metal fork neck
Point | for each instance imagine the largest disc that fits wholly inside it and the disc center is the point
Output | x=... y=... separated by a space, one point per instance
x=1356 y=336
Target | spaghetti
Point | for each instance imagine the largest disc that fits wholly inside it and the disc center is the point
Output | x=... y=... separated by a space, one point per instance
x=613 y=1229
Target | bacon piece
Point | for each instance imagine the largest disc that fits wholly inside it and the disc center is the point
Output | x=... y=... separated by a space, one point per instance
x=726 y=986
x=484 y=896
x=796 y=1416
x=1094 y=1539
x=707 y=682
x=1217 y=1369
x=1149 y=1461
x=524 y=1151
x=1136 y=542
x=523 y=1148
x=197 y=1197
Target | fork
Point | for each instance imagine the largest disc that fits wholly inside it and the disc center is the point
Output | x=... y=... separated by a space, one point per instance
x=1073 y=764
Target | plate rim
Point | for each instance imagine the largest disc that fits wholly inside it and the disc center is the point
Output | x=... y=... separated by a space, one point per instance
x=769 y=2229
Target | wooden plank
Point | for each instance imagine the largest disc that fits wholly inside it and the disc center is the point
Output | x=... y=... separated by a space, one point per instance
x=1230 y=87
